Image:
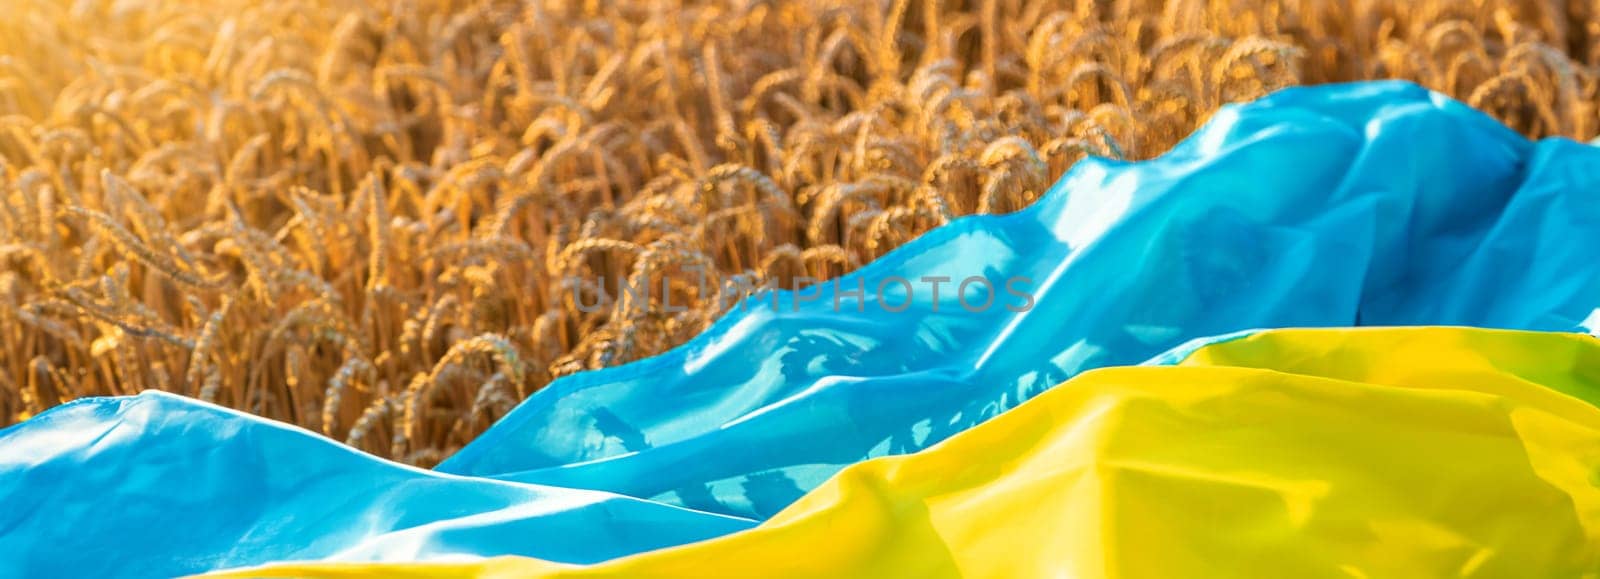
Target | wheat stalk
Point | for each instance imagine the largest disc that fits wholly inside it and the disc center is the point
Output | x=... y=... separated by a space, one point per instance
x=310 y=213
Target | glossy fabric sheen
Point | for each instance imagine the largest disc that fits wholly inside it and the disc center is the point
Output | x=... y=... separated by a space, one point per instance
x=1365 y=204
x=1405 y=452
x=1358 y=204
x=158 y=485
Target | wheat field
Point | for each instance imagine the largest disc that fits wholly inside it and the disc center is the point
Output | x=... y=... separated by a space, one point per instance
x=372 y=219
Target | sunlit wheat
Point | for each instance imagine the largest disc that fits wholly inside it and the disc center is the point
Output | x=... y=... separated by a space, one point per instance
x=372 y=218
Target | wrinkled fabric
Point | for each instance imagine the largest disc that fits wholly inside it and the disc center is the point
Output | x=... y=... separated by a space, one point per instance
x=1407 y=452
x=1368 y=204
x=157 y=485
x=1364 y=204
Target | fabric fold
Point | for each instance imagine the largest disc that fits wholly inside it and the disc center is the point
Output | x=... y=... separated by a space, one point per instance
x=1365 y=204
x=1403 y=452
x=158 y=485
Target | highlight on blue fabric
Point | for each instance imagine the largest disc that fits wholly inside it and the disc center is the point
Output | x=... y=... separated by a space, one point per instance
x=1365 y=204
x=159 y=485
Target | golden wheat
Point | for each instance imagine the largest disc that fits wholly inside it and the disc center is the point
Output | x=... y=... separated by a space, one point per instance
x=379 y=219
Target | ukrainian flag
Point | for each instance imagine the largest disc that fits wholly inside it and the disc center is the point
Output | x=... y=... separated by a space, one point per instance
x=1115 y=411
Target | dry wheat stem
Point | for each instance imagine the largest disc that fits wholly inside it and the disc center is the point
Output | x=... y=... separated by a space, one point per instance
x=372 y=218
